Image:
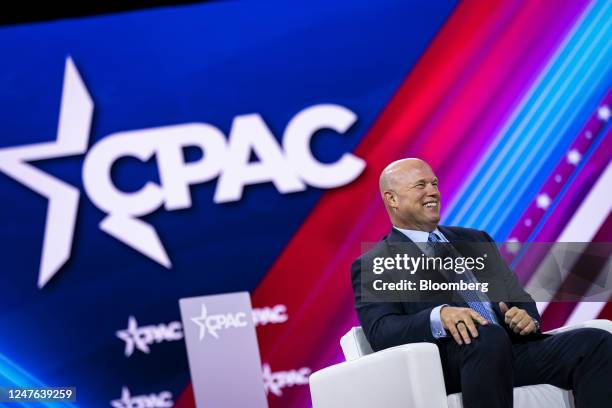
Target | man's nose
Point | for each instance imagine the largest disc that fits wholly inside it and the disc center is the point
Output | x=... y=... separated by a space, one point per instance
x=432 y=190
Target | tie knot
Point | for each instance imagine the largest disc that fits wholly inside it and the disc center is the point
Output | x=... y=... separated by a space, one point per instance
x=433 y=237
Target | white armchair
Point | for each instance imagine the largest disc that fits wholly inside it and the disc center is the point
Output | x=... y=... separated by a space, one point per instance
x=410 y=376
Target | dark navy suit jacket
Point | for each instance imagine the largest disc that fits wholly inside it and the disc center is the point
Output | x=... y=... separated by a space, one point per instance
x=388 y=324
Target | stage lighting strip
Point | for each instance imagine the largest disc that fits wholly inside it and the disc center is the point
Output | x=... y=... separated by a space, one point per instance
x=492 y=192
x=538 y=141
x=534 y=223
x=12 y=374
x=567 y=122
x=559 y=201
x=540 y=210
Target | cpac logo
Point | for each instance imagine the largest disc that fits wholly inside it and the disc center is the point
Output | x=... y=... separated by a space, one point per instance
x=141 y=338
x=274 y=382
x=266 y=315
x=161 y=400
x=290 y=167
x=213 y=323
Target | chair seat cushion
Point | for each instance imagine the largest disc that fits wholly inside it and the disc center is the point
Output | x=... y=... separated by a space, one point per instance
x=530 y=396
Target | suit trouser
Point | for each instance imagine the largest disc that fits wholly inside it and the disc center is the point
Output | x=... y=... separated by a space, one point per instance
x=487 y=369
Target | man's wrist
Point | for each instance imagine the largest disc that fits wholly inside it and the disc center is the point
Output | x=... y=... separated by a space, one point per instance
x=537 y=325
x=437 y=327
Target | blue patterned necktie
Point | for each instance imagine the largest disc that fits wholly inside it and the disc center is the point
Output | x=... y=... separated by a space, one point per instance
x=477 y=301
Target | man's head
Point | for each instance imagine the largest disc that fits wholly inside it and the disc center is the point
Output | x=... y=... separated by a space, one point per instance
x=409 y=189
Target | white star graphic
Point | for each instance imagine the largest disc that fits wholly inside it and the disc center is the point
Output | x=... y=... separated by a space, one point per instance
x=76 y=111
x=573 y=157
x=603 y=113
x=543 y=201
x=131 y=336
x=201 y=322
x=72 y=139
x=125 y=401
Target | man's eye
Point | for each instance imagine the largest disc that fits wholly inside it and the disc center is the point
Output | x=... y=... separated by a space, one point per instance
x=420 y=185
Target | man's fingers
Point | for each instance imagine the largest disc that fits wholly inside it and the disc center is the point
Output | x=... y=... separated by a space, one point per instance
x=462 y=328
x=469 y=323
x=523 y=323
x=476 y=316
x=455 y=334
x=512 y=312
x=503 y=307
x=461 y=323
x=529 y=329
x=515 y=320
x=520 y=317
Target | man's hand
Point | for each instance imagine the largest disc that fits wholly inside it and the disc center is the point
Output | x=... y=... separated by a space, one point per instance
x=518 y=320
x=460 y=322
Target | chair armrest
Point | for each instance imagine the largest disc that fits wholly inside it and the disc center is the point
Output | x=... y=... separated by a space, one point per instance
x=406 y=376
x=597 y=324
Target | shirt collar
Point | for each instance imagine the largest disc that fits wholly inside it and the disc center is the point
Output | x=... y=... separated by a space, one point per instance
x=418 y=236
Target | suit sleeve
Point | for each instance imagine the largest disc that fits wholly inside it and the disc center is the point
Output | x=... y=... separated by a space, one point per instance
x=386 y=324
x=517 y=295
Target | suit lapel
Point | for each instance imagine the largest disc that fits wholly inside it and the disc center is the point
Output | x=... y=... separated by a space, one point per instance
x=462 y=244
x=400 y=242
x=460 y=241
x=451 y=235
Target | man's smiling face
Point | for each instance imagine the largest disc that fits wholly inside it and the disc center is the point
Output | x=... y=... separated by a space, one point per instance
x=413 y=196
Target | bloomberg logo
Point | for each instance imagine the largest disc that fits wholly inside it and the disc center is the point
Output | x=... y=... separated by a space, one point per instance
x=290 y=166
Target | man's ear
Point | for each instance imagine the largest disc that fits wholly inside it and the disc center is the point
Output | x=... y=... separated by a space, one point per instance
x=390 y=199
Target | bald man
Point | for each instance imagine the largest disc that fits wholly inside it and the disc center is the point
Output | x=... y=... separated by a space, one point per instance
x=486 y=347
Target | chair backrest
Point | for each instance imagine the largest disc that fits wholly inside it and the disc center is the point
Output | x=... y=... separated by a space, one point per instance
x=354 y=344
